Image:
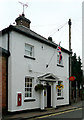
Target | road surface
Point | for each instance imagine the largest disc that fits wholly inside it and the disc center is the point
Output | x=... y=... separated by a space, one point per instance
x=66 y=115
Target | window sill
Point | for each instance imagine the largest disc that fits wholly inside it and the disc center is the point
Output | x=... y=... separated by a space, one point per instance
x=60 y=65
x=60 y=98
x=29 y=100
x=30 y=57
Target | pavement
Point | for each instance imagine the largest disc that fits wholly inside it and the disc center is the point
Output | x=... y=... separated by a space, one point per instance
x=30 y=114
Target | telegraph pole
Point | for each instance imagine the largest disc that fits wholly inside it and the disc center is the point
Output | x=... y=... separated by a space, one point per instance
x=70 y=86
x=69 y=23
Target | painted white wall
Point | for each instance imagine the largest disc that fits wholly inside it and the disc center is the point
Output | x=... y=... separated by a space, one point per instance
x=19 y=68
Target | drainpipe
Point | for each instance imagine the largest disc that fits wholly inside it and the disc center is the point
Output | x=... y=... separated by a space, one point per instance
x=7 y=71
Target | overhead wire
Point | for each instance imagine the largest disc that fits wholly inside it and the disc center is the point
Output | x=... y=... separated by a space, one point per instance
x=44 y=25
x=56 y=30
x=50 y=59
x=51 y=35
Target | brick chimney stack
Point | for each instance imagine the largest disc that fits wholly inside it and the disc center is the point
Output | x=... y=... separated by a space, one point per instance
x=21 y=20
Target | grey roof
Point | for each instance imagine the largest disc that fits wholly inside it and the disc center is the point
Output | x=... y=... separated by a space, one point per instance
x=34 y=35
x=28 y=32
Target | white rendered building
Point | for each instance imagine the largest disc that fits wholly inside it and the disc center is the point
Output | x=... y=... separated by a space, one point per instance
x=34 y=61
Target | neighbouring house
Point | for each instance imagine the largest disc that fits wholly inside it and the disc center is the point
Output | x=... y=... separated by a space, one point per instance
x=37 y=69
x=4 y=54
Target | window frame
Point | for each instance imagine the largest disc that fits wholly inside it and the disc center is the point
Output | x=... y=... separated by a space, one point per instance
x=28 y=88
x=30 y=50
x=60 y=91
x=61 y=63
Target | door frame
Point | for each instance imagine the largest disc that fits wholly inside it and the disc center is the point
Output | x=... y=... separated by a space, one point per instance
x=48 y=96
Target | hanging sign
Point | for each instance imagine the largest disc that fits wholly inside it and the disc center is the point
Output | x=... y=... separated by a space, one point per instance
x=72 y=78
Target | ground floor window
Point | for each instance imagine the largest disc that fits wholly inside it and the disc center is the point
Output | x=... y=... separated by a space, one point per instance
x=28 y=87
x=60 y=88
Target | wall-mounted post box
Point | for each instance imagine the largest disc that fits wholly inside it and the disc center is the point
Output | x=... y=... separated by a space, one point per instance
x=19 y=99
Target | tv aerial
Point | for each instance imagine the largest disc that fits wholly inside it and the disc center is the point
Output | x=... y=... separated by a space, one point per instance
x=24 y=5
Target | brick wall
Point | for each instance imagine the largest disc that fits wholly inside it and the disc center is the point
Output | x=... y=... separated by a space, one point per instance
x=4 y=54
x=0 y=86
x=3 y=82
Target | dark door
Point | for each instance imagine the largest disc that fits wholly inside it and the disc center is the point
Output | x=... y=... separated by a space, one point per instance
x=48 y=96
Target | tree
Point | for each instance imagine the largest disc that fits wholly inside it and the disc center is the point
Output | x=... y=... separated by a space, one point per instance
x=79 y=76
x=77 y=72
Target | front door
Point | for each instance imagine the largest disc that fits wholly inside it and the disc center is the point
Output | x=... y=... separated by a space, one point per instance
x=48 y=96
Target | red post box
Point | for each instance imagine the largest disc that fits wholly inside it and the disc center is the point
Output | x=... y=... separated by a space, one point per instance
x=19 y=99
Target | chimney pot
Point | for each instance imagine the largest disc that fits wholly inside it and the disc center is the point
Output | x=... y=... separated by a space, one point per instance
x=50 y=39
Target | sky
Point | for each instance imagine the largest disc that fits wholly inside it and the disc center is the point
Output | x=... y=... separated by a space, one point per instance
x=47 y=16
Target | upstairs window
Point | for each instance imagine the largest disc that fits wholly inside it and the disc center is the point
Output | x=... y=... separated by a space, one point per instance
x=59 y=59
x=59 y=56
x=29 y=50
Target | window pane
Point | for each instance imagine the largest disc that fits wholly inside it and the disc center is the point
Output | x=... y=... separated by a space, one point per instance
x=30 y=94
x=27 y=84
x=30 y=53
x=30 y=80
x=26 y=79
x=27 y=47
x=31 y=49
x=25 y=94
x=58 y=93
x=28 y=50
x=30 y=89
x=30 y=84
x=25 y=89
